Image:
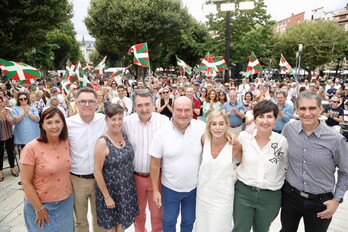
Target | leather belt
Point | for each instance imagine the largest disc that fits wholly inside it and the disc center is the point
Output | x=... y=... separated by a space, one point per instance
x=89 y=176
x=309 y=195
x=142 y=174
x=236 y=126
x=256 y=189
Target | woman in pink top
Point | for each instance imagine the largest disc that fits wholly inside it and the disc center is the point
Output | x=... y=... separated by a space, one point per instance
x=45 y=165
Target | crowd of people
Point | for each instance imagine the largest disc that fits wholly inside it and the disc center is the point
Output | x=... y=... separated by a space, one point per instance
x=224 y=156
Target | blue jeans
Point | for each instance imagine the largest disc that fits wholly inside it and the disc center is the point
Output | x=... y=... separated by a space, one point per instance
x=171 y=202
x=61 y=215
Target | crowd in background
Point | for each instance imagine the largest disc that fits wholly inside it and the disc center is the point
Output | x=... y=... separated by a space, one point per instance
x=105 y=124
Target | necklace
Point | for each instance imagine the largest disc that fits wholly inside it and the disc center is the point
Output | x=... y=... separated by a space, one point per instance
x=119 y=140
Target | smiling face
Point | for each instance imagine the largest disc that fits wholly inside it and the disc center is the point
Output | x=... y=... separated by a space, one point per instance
x=143 y=106
x=86 y=104
x=308 y=112
x=53 y=126
x=183 y=112
x=115 y=123
x=265 y=122
x=218 y=127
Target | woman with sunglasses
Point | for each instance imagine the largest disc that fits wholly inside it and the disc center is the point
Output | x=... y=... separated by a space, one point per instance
x=165 y=105
x=26 y=119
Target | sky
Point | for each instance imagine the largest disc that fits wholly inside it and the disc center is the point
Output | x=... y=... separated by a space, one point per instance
x=278 y=9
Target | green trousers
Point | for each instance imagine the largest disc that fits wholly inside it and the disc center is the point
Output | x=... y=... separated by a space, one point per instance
x=254 y=208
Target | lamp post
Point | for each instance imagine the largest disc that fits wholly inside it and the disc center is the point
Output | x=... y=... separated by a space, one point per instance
x=228 y=7
x=298 y=55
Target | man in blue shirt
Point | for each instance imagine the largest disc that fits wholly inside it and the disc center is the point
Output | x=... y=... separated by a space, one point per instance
x=235 y=112
x=285 y=111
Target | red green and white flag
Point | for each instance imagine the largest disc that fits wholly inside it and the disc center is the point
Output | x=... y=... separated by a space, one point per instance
x=120 y=71
x=18 y=71
x=284 y=65
x=83 y=80
x=29 y=84
x=254 y=66
x=70 y=72
x=88 y=67
x=183 y=66
x=211 y=65
x=99 y=69
x=141 y=54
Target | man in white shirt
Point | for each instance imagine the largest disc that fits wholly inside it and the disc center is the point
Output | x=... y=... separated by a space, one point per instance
x=176 y=150
x=140 y=128
x=84 y=128
x=123 y=100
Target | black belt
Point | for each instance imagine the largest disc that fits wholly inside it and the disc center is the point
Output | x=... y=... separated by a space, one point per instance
x=89 y=176
x=308 y=195
x=256 y=189
x=236 y=126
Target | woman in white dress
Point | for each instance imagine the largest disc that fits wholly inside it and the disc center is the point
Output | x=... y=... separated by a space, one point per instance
x=216 y=178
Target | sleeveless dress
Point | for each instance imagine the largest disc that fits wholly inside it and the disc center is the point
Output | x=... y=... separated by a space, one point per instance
x=215 y=191
x=118 y=175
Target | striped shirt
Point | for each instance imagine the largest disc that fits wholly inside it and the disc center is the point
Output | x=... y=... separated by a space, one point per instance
x=313 y=159
x=5 y=129
x=140 y=136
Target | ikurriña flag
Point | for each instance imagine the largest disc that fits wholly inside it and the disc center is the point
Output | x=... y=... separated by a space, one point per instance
x=183 y=66
x=141 y=54
x=18 y=70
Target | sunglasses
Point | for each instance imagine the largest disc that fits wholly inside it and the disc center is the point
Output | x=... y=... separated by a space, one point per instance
x=23 y=99
x=335 y=102
x=165 y=92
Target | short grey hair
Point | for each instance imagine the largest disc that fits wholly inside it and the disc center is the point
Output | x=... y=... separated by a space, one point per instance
x=308 y=95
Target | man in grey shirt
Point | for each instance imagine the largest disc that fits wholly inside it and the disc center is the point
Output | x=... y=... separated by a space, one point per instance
x=315 y=151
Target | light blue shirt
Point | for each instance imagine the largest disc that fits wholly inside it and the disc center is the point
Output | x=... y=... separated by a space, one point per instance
x=287 y=110
x=234 y=119
x=27 y=129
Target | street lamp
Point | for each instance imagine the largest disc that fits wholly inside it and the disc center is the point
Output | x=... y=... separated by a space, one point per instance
x=228 y=7
x=298 y=57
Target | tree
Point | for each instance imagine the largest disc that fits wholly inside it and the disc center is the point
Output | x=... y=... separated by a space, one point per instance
x=251 y=30
x=323 y=42
x=163 y=24
x=25 y=23
x=64 y=45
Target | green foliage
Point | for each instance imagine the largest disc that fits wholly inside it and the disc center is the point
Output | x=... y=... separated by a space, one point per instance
x=163 y=24
x=66 y=45
x=323 y=42
x=251 y=30
x=25 y=23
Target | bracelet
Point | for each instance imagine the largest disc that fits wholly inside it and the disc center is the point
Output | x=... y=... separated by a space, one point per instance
x=40 y=210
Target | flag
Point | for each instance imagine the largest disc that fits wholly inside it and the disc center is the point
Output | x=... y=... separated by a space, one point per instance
x=220 y=63
x=120 y=71
x=99 y=69
x=87 y=67
x=183 y=66
x=70 y=72
x=83 y=80
x=284 y=65
x=254 y=65
x=18 y=71
x=141 y=54
x=211 y=65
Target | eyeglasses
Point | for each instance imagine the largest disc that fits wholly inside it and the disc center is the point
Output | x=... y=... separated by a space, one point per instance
x=335 y=102
x=23 y=99
x=165 y=92
x=84 y=102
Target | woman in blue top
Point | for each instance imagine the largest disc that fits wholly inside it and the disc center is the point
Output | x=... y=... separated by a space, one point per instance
x=26 y=119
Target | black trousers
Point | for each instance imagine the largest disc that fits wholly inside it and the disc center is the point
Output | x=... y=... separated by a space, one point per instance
x=294 y=207
x=9 y=149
